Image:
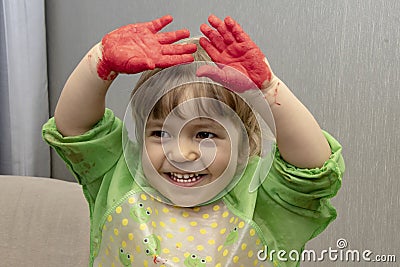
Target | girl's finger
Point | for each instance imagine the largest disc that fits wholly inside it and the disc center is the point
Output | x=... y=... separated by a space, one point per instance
x=221 y=28
x=237 y=31
x=210 y=49
x=157 y=24
x=172 y=37
x=212 y=72
x=178 y=49
x=168 y=61
x=135 y=65
x=215 y=38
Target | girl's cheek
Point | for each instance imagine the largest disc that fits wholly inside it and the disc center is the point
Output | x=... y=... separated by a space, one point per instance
x=155 y=154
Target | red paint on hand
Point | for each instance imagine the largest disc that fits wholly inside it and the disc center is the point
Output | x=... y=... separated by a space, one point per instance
x=229 y=45
x=276 y=94
x=228 y=76
x=138 y=47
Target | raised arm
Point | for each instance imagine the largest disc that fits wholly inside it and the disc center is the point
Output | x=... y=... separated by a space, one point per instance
x=130 y=49
x=299 y=137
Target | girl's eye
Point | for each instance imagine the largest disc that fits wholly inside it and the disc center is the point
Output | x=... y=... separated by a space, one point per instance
x=160 y=134
x=205 y=135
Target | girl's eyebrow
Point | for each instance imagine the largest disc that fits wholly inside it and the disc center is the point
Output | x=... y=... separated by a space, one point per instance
x=197 y=123
x=154 y=123
x=204 y=123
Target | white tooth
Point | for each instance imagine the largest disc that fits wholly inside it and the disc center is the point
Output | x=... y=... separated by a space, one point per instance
x=185 y=178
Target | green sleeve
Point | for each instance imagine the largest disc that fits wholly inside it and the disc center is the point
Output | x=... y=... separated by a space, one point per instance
x=293 y=204
x=90 y=155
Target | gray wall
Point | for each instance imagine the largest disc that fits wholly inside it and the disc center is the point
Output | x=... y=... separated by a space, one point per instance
x=341 y=58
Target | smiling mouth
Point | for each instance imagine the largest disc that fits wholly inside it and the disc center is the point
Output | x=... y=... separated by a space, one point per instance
x=185 y=179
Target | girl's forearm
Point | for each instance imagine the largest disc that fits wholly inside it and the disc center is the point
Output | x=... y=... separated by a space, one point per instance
x=299 y=137
x=82 y=100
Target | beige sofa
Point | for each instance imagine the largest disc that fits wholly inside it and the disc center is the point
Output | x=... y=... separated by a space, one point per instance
x=43 y=222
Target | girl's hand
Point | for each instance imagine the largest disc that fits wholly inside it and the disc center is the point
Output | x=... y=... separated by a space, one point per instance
x=230 y=47
x=138 y=47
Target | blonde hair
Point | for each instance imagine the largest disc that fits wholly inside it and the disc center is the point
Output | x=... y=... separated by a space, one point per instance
x=180 y=78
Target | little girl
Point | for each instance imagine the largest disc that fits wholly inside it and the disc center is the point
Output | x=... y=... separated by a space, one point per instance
x=194 y=181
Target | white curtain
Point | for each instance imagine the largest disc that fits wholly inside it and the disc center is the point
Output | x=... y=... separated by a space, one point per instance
x=23 y=95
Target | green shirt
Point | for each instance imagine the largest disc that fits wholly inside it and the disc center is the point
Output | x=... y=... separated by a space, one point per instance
x=130 y=228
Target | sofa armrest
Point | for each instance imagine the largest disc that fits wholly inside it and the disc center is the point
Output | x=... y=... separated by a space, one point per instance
x=43 y=222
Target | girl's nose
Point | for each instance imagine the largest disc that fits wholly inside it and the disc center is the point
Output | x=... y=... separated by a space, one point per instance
x=183 y=150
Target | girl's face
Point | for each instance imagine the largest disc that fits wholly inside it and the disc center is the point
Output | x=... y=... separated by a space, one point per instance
x=171 y=152
x=190 y=152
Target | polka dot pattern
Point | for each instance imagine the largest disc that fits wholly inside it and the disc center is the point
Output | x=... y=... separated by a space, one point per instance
x=151 y=233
